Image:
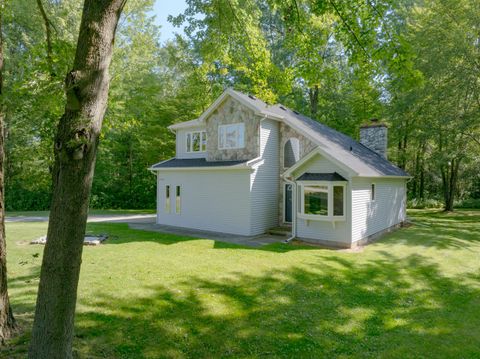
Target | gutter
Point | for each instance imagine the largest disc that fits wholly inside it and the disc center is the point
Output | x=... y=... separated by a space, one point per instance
x=294 y=209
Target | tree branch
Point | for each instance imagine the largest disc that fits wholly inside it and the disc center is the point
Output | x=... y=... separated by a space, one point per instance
x=48 y=30
x=350 y=30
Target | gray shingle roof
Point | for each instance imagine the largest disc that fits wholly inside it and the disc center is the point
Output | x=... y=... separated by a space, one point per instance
x=307 y=176
x=345 y=149
x=194 y=162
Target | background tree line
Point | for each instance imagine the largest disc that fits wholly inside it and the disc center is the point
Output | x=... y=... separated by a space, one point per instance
x=414 y=63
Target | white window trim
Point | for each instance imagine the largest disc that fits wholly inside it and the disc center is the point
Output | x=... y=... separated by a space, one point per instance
x=224 y=140
x=203 y=134
x=318 y=217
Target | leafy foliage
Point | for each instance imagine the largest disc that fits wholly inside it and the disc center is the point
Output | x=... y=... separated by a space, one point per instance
x=413 y=63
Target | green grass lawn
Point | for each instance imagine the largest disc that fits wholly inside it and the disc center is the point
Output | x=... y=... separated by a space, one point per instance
x=91 y=212
x=414 y=294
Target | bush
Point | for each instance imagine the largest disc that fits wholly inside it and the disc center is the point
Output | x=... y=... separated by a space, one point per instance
x=468 y=203
x=419 y=203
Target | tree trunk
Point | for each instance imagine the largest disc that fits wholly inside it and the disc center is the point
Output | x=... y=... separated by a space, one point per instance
x=422 y=172
x=449 y=182
x=313 y=96
x=7 y=321
x=75 y=150
x=48 y=32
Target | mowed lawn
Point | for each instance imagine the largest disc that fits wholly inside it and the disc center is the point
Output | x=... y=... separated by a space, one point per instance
x=414 y=294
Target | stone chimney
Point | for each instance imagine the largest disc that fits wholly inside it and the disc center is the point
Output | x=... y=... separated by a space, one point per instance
x=374 y=135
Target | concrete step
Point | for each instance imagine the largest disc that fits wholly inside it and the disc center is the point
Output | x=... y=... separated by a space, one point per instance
x=280 y=231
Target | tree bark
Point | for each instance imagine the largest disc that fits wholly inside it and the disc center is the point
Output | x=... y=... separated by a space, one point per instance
x=313 y=96
x=7 y=321
x=75 y=149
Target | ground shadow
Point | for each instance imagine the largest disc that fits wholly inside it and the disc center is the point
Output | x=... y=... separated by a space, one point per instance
x=390 y=307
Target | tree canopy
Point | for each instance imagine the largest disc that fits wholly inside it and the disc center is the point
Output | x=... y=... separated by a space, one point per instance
x=413 y=63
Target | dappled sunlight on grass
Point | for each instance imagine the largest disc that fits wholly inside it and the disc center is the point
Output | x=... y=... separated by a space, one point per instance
x=415 y=293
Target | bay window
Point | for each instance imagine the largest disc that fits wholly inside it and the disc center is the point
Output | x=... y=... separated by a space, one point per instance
x=231 y=136
x=316 y=200
x=322 y=201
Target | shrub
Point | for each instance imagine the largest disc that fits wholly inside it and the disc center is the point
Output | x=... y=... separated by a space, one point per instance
x=419 y=203
x=468 y=203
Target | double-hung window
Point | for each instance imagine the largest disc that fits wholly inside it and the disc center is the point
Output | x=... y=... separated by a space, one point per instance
x=196 y=141
x=322 y=201
x=231 y=136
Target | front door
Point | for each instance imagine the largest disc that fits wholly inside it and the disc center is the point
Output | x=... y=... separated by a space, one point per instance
x=288 y=204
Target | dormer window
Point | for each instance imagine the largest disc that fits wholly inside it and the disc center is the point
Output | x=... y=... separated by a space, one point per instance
x=231 y=136
x=196 y=141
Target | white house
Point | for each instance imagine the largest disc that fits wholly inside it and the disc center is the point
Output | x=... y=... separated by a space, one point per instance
x=244 y=167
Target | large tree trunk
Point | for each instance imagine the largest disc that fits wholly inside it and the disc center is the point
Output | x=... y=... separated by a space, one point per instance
x=75 y=150
x=7 y=321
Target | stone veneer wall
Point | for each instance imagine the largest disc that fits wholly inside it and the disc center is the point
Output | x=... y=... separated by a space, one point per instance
x=306 y=146
x=231 y=111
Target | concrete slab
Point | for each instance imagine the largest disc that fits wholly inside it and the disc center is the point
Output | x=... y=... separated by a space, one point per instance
x=249 y=241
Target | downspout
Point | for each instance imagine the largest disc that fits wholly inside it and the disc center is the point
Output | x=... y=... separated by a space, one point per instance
x=294 y=209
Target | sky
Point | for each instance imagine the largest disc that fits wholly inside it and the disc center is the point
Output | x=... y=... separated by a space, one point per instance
x=161 y=10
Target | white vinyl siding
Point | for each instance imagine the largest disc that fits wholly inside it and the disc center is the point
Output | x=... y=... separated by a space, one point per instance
x=181 y=143
x=264 y=181
x=323 y=230
x=319 y=164
x=210 y=200
x=388 y=208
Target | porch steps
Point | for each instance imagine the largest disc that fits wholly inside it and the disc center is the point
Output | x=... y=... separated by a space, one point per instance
x=284 y=231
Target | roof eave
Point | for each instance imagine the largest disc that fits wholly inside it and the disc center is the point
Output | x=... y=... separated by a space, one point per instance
x=185 y=124
x=383 y=176
x=209 y=168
